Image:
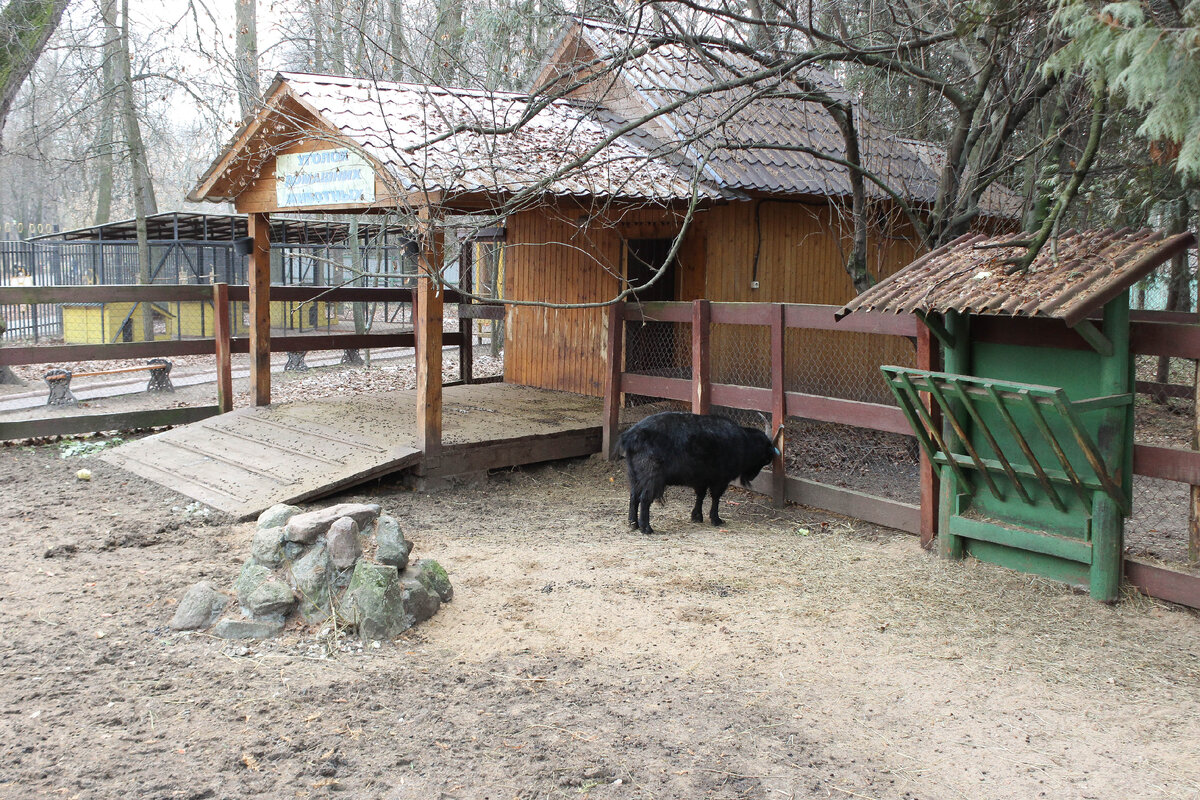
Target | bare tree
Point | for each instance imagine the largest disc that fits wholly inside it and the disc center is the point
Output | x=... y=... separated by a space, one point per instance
x=246 y=55
x=25 y=27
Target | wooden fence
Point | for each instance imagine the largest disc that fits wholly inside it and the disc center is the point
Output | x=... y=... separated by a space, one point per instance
x=222 y=344
x=1156 y=334
x=702 y=394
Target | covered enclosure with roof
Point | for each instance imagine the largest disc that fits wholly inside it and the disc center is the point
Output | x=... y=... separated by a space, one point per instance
x=1031 y=421
x=592 y=202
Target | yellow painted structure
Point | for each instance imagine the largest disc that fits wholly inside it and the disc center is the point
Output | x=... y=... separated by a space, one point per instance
x=294 y=315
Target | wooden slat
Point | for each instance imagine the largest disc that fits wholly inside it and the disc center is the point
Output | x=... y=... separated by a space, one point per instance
x=332 y=294
x=92 y=423
x=701 y=357
x=742 y=313
x=1168 y=463
x=929 y=359
x=429 y=360
x=123 y=293
x=1156 y=389
x=1165 y=339
x=658 y=312
x=820 y=317
x=221 y=344
x=875 y=416
x=857 y=505
x=259 y=271
x=612 y=379
x=650 y=386
x=1032 y=541
x=1165 y=584
x=58 y=354
x=338 y=341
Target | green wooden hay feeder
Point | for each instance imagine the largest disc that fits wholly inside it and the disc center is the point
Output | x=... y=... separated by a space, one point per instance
x=1035 y=440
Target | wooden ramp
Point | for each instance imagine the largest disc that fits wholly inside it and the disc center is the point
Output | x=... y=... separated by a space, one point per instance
x=248 y=460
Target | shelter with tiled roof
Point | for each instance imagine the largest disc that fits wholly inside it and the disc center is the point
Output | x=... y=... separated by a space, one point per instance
x=592 y=200
x=1037 y=446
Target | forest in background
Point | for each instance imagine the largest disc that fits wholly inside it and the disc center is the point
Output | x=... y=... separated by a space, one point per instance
x=1089 y=111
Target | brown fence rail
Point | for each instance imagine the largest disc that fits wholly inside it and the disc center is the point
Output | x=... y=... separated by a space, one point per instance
x=221 y=342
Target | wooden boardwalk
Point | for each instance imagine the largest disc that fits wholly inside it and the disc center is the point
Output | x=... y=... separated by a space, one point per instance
x=245 y=461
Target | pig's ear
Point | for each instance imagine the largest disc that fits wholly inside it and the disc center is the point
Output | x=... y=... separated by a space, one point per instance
x=777 y=440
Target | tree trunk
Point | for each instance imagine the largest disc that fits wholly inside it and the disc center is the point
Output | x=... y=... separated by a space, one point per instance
x=1179 y=288
x=447 y=42
x=245 y=64
x=25 y=27
x=397 y=46
x=143 y=188
x=356 y=269
x=7 y=376
x=108 y=112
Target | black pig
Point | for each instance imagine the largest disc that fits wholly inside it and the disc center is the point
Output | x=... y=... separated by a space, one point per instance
x=701 y=451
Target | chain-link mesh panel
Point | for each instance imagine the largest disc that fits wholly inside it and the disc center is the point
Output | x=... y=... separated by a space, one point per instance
x=1158 y=526
x=874 y=462
x=662 y=349
x=741 y=355
x=844 y=364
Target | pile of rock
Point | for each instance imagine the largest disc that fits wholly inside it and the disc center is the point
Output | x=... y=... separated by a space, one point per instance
x=346 y=563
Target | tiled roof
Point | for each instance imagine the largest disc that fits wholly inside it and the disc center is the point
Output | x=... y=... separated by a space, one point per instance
x=1071 y=277
x=399 y=125
x=759 y=144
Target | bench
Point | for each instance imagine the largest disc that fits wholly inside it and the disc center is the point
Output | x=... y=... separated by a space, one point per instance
x=59 y=380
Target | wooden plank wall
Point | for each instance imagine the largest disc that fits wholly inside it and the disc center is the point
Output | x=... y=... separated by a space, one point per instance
x=548 y=257
x=799 y=261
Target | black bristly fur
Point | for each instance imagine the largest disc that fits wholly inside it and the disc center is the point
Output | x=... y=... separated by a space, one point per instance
x=702 y=451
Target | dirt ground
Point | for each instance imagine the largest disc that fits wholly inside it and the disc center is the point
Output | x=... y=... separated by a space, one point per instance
x=790 y=655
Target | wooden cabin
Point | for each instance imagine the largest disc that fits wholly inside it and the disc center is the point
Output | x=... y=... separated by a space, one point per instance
x=761 y=219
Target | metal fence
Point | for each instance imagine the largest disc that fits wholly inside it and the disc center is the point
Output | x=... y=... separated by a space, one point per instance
x=74 y=263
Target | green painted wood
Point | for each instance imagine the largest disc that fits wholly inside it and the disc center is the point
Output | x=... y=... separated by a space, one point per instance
x=1023 y=539
x=1058 y=569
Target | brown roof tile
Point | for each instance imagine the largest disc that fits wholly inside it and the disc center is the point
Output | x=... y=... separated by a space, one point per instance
x=1071 y=277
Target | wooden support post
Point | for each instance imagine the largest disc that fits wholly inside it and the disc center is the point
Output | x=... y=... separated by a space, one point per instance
x=466 y=327
x=1114 y=440
x=221 y=336
x=958 y=361
x=1194 y=516
x=928 y=359
x=778 y=404
x=701 y=357
x=259 y=274
x=612 y=380
x=428 y=317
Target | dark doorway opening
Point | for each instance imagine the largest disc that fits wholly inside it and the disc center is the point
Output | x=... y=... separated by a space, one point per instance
x=644 y=257
x=653 y=348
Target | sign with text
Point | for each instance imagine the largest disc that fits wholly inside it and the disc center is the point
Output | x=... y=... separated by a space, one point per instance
x=323 y=178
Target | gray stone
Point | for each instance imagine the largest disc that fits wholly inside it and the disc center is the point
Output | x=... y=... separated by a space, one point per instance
x=199 y=608
x=344 y=544
x=374 y=602
x=391 y=546
x=432 y=577
x=306 y=527
x=267 y=546
x=248 y=628
x=270 y=599
x=419 y=602
x=312 y=578
x=252 y=576
x=293 y=551
x=277 y=515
